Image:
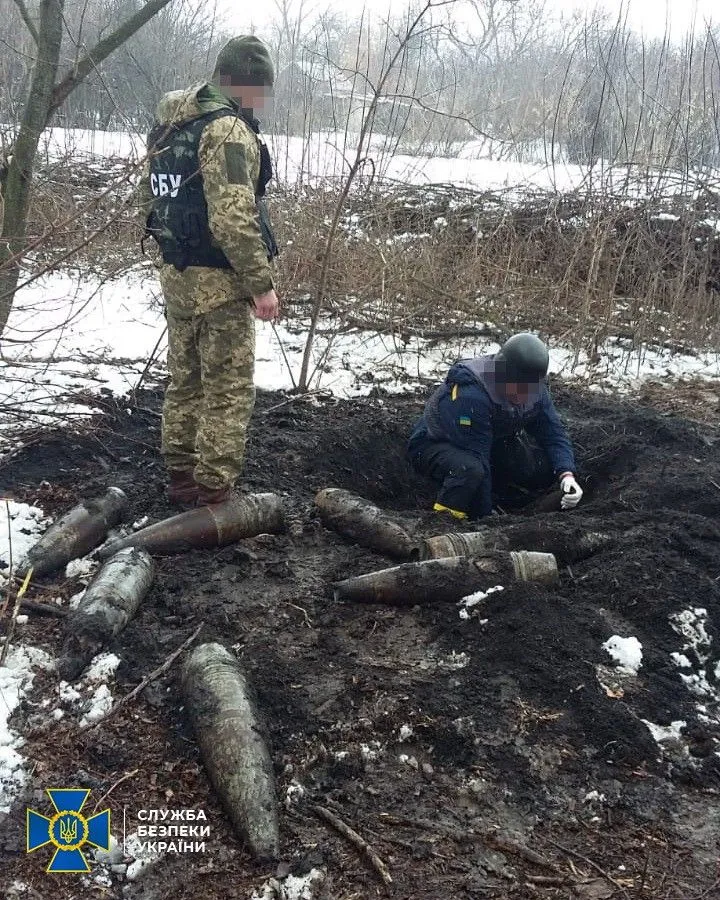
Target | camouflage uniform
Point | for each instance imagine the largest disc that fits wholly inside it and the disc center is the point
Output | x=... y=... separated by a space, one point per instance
x=211 y=328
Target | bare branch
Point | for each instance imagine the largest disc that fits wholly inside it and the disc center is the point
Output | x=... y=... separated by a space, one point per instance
x=30 y=25
x=101 y=51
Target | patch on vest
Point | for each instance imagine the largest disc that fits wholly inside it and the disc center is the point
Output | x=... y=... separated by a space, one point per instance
x=465 y=420
x=165 y=184
x=236 y=165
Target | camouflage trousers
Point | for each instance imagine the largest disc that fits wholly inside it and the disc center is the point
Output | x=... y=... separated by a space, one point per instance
x=208 y=404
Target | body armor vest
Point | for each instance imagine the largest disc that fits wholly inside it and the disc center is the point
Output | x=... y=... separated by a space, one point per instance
x=179 y=218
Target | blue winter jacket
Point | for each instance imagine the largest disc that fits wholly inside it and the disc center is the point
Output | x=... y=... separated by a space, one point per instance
x=468 y=411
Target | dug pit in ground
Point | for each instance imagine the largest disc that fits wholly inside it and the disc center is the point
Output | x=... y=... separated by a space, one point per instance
x=489 y=749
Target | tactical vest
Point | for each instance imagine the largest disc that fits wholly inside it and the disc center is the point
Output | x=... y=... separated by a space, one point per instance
x=179 y=218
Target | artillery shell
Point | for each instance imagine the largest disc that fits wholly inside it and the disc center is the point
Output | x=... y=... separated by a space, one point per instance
x=358 y=519
x=79 y=531
x=226 y=723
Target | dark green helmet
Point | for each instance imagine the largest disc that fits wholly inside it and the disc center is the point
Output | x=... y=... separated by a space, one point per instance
x=523 y=358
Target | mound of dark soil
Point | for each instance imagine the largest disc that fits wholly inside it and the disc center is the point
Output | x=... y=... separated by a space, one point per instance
x=498 y=755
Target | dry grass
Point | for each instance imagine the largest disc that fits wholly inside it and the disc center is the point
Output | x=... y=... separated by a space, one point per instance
x=583 y=267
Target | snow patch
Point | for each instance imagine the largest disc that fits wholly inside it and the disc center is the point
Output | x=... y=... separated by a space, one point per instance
x=20 y=527
x=294 y=887
x=16 y=679
x=455 y=661
x=406 y=732
x=691 y=625
x=99 y=705
x=75 y=600
x=370 y=752
x=472 y=600
x=137 y=849
x=294 y=794
x=666 y=733
x=102 y=668
x=91 y=697
x=681 y=661
x=81 y=568
x=627 y=652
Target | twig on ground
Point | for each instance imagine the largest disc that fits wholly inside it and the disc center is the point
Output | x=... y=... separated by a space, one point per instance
x=359 y=842
x=523 y=852
x=287 y=361
x=10 y=560
x=156 y=673
x=151 y=360
x=593 y=865
x=323 y=395
x=117 y=783
x=10 y=633
x=43 y=609
x=301 y=609
x=548 y=881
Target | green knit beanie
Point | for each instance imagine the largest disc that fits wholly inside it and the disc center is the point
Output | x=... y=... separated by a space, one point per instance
x=247 y=61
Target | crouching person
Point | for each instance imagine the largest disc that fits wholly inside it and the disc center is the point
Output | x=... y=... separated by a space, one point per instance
x=491 y=430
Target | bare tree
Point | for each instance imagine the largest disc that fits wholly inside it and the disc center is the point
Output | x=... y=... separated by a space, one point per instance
x=45 y=95
x=376 y=75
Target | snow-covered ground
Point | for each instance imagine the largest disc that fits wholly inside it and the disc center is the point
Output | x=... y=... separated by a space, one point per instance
x=320 y=156
x=78 y=335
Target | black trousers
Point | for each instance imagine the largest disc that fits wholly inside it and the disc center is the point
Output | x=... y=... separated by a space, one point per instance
x=519 y=469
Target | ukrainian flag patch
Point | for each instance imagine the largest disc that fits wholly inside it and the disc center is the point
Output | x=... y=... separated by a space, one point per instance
x=465 y=420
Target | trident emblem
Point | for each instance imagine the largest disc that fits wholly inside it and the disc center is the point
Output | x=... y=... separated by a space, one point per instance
x=68 y=830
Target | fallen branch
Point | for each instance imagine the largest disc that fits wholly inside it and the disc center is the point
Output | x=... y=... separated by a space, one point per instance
x=149 y=363
x=523 y=852
x=359 y=842
x=111 y=789
x=593 y=865
x=43 y=609
x=154 y=675
x=545 y=881
x=10 y=633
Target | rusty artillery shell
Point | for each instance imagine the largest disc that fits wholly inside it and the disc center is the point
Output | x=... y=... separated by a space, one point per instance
x=223 y=714
x=79 y=531
x=208 y=526
x=447 y=580
x=358 y=519
x=567 y=545
x=110 y=602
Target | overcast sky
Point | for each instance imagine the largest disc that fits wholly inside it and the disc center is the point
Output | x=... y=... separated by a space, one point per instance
x=648 y=16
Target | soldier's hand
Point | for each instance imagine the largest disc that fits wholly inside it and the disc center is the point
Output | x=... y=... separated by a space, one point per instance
x=267 y=306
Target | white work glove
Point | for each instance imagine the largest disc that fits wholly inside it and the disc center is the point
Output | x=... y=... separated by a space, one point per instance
x=571 y=491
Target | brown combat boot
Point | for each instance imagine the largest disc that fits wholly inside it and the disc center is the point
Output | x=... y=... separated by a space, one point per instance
x=210 y=496
x=182 y=491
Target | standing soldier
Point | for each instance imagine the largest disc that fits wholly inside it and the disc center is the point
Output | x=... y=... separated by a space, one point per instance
x=205 y=183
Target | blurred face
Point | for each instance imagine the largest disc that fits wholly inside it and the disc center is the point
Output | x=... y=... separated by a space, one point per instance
x=247 y=96
x=519 y=393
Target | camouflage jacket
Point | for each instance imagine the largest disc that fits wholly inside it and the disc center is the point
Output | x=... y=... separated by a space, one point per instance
x=229 y=157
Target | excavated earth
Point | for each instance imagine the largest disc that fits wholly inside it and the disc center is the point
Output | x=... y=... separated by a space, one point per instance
x=501 y=755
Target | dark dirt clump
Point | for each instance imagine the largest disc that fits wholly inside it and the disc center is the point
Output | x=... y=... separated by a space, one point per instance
x=480 y=756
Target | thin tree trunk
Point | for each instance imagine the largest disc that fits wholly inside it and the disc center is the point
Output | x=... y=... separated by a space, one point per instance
x=18 y=181
x=44 y=99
